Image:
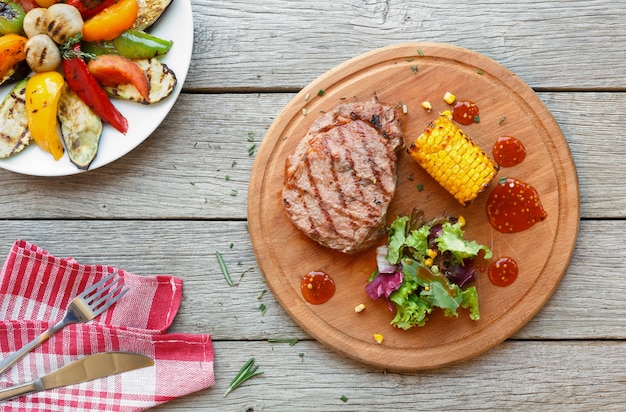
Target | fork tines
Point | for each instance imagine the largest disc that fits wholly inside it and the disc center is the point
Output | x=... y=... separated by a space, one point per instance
x=100 y=299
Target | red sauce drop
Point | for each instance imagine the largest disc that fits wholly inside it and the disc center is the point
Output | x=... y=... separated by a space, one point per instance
x=503 y=271
x=465 y=112
x=514 y=206
x=508 y=151
x=317 y=287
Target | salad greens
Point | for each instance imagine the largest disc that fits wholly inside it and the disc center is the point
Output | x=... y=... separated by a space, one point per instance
x=424 y=266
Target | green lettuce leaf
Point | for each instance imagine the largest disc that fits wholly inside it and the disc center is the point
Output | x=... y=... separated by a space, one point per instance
x=451 y=239
x=418 y=240
x=470 y=301
x=411 y=309
x=396 y=236
x=435 y=291
x=423 y=289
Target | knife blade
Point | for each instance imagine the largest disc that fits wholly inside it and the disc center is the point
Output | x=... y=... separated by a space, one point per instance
x=90 y=367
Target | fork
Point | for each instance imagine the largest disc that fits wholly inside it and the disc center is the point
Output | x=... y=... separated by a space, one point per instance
x=83 y=308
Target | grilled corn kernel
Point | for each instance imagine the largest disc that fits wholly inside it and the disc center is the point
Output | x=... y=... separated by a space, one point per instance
x=431 y=253
x=449 y=98
x=453 y=160
x=461 y=221
x=428 y=262
x=379 y=338
x=427 y=106
x=446 y=113
x=359 y=308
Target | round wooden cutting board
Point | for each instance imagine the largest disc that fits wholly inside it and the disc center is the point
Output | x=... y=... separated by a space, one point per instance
x=407 y=75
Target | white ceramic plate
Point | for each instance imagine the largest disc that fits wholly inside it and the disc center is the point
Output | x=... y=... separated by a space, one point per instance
x=176 y=24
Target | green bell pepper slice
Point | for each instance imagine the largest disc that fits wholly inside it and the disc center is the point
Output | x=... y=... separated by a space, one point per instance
x=132 y=44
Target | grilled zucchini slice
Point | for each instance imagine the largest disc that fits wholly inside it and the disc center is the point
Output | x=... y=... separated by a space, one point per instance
x=149 y=12
x=161 y=79
x=81 y=129
x=14 y=133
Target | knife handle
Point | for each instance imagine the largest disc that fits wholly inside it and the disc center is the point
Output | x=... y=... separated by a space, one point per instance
x=19 y=390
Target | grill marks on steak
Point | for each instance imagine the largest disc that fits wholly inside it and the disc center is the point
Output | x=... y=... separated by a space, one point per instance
x=342 y=176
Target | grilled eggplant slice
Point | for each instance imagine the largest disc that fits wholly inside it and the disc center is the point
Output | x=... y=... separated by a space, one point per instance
x=81 y=129
x=14 y=133
x=161 y=79
x=149 y=12
x=16 y=73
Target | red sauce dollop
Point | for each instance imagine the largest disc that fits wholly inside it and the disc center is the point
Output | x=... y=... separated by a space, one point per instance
x=317 y=287
x=465 y=112
x=508 y=151
x=514 y=206
x=503 y=271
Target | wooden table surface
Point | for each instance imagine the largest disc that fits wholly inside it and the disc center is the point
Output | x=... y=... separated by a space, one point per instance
x=180 y=197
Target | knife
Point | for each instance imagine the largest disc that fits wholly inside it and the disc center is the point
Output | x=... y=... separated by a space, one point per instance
x=85 y=369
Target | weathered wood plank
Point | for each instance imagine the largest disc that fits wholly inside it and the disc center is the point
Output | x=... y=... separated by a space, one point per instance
x=272 y=44
x=197 y=164
x=588 y=303
x=572 y=376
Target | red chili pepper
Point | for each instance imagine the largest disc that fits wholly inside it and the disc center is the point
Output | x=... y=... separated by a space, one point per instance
x=87 y=88
x=89 y=8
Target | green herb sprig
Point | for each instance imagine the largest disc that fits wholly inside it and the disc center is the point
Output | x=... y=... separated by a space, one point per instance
x=220 y=260
x=249 y=370
x=291 y=341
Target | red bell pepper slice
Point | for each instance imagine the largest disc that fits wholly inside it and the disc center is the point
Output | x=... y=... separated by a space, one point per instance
x=79 y=79
x=89 y=8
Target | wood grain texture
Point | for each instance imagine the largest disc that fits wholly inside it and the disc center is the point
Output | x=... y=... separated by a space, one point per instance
x=181 y=170
x=168 y=205
x=582 y=308
x=275 y=43
x=515 y=375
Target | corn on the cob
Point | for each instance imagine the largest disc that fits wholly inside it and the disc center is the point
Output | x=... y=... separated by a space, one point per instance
x=453 y=159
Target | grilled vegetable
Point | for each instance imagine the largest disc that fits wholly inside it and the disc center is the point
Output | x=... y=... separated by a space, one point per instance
x=133 y=44
x=64 y=21
x=115 y=71
x=36 y=22
x=43 y=91
x=11 y=17
x=149 y=12
x=12 y=51
x=45 y=3
x=111 y=22
x=89 y=8
x=42 y=54
x=85 y=85
x=14 y=133
x=453 y=160
x=18 y=72
x=161 y=79
x=27 y=5
x=81 y=129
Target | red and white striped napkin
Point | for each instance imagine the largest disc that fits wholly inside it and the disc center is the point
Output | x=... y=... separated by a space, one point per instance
x=35 y=290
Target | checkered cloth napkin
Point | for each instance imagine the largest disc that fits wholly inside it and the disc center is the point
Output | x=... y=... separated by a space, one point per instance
x=35 y=290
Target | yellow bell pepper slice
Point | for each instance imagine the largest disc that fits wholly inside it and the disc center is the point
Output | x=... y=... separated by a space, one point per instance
x=111 y=22
x=43 y=92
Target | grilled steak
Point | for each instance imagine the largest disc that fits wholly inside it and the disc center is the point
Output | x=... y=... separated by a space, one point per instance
x=342 y=176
